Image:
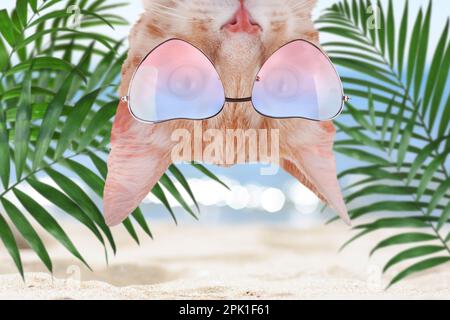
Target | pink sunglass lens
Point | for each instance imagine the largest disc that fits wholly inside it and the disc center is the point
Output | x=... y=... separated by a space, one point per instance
x=175 y=81
x=298 y=81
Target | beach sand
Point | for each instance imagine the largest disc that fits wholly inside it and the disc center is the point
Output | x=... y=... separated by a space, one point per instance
x=197 y=261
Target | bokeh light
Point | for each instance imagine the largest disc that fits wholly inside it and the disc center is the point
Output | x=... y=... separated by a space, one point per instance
x=273 y=200
x=304 y=199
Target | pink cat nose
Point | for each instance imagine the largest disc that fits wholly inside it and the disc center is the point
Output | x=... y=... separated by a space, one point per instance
x=242 y=22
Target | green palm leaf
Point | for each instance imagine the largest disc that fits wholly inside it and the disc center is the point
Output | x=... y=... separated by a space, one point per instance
x=158 y=192
x=418 y=267
x=27 y=231
x=182 y=180
x=412 y=253
x=392 y=133
x=10 y=244
x=434 y=71
x=66 y=204
x=74 y=120
x=6 y=27
x=403 y=238
x=50 y=120
x=100 y=120
x=77 y=194
x=4 y=151
x=45 y=63
x=22 y=126
x=169 y=185
x=48 y=223
x=140 y=219
x=56 y=109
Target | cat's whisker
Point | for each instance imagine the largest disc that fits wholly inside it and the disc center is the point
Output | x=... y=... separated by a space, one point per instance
x=283 y=19
x=168 y=13
x=181 y=6
x=299 y=6
x=166 y=8
x=298 y=9
x=163 y=10
x=163 y=13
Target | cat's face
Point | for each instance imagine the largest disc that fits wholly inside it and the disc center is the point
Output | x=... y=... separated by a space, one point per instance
x=238 y=37
x=237 y=49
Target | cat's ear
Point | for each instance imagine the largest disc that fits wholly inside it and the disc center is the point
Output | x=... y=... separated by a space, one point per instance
x=139 y=157
x=314 y=165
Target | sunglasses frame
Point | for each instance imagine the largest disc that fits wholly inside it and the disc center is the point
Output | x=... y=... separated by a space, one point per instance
x=126 y=98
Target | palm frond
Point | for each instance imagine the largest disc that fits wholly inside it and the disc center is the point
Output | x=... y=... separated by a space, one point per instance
x=57 y=99
x=398 y=130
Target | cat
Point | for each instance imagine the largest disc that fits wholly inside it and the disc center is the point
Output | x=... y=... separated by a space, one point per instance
x=238 y=36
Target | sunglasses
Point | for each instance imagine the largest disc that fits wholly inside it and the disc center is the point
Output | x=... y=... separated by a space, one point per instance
x=176 y=81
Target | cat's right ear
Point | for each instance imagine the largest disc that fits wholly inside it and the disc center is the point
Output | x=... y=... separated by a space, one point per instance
x=314 y=165
x=140 y=155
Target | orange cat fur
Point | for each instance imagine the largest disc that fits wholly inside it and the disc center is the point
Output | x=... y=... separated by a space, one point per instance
x=238 y=36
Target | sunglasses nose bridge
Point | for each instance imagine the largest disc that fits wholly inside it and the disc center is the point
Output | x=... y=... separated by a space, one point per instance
x=238 y=100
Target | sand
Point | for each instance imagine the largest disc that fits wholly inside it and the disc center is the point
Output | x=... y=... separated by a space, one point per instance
x=220 y=262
